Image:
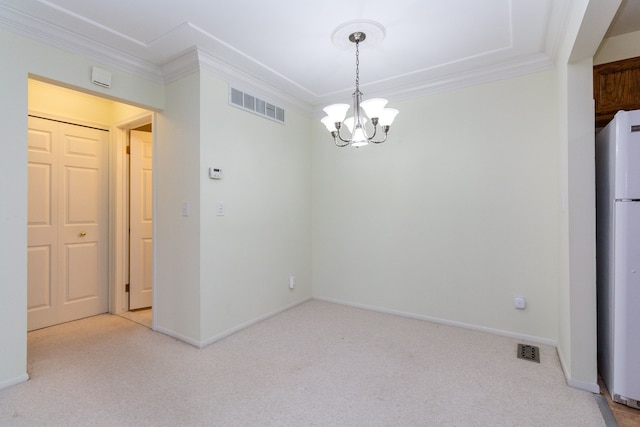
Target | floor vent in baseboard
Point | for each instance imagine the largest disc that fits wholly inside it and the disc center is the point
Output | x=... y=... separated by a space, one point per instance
x=255 y=105
x=529 y=352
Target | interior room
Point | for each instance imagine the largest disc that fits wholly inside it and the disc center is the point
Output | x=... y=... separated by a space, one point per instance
x=480 y=199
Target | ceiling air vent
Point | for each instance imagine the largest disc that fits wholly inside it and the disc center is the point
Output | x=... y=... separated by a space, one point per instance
x=248 y=102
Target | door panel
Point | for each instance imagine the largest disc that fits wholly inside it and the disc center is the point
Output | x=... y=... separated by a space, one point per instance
x=141 y=220
x=39 y=280
x=68 y=211
x=42 y=231
x=83 y=230
x=39 y=213
x=82 y=202
x=81 y=271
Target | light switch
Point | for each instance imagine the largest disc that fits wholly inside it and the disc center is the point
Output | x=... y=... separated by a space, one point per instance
x=185 y=208
x=220 y=208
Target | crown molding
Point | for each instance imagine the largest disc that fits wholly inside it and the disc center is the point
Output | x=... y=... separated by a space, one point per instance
x=559 y=15
x=244 y=80
x=34 y=29
x=505 y=70
x=180 y=66
x=194 y=60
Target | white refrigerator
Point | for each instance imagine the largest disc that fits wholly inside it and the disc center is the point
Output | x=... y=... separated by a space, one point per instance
x=618 y=256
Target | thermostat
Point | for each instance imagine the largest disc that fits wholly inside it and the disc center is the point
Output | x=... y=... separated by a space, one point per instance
x=215 y=173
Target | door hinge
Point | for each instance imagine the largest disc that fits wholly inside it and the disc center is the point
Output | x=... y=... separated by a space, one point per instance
x=128 y=149
x=126 y=287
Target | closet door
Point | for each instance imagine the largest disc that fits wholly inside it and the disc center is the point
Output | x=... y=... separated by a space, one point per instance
x=67 y=223
x=141 y=220
x=42 y=224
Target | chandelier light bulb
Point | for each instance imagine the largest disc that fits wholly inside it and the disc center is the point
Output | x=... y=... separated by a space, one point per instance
x=387 y=116
x=373 y=107
x=328 y=123
x=336 y=112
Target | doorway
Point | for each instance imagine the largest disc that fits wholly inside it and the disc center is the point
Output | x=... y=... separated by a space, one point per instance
x=140 y=289
x=115 y=121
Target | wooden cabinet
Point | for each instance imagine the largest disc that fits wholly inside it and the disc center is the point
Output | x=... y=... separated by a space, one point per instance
x=616 y=86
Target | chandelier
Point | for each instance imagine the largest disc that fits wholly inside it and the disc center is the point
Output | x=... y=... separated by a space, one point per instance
x=372 y=109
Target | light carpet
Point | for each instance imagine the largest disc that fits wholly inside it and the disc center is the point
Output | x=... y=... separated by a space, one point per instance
x=143 y=317
x=317 y=364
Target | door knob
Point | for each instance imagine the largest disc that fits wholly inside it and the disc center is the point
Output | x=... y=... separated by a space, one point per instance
x=84 y=233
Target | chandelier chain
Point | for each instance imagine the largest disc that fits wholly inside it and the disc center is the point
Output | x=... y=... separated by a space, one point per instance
x=357 y=64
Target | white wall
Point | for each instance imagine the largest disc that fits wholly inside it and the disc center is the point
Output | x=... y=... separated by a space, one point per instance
x=215 y=274
x=452 y=217
x=30 y=57
x=13 y=262
x=577 y=342
x=248 y=254
x=62 y=102
x=177 y=238
x=616 y=48
x=57 y=101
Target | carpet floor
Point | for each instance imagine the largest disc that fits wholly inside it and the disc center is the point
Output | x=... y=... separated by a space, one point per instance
x=317 y=364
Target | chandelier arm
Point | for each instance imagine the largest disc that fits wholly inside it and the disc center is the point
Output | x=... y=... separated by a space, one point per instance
x=339 y=135
x=335 y=135
x=375 y=130
x=386 y=133
x=379 y=142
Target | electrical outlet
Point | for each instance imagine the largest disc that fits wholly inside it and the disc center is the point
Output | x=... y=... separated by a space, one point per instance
x=520 y=303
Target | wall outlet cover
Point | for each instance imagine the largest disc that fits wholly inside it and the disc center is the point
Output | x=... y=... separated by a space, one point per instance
x=519 y=303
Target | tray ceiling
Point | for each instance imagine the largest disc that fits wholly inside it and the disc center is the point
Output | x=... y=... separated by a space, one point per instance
x=288 y=45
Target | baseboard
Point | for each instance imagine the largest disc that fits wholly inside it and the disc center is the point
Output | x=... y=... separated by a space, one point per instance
x=244 y=325
x=582 y=385
x=226 y=333
x=13 y=381
x=529 y=338
x=177 y=336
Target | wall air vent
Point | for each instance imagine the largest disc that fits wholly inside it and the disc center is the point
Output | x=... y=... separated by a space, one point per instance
x=250 y=103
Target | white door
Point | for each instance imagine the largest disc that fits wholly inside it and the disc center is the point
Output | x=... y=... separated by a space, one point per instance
x=67 y=222
x=140 y=220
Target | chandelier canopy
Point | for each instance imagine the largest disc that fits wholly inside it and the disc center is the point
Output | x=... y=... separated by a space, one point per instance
x=372 y=110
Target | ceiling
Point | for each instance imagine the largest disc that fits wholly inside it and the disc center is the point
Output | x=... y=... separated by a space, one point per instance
x=627 y=19
x=287 y=44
